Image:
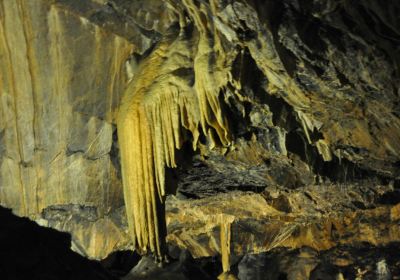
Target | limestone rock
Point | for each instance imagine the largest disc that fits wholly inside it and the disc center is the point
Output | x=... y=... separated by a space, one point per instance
x=305 y=217
x=272 y=124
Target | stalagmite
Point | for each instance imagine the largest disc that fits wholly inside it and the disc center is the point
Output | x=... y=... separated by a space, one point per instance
x=225 y=236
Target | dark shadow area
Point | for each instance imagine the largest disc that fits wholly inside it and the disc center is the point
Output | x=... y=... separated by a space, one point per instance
x=119 y=263
x=373 y=260
x=201 y=268
x=359 y=261
x=389 y=198
x=115 y=153
x=29 y=251
x=181 y=266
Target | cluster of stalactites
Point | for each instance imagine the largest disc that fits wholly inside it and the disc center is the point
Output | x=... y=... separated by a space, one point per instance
x=157 y=107
x=149 y=134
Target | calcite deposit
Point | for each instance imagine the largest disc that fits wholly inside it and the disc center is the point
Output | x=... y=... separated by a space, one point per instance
x=228 y=129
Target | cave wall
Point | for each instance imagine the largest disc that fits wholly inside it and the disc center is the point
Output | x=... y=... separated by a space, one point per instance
x=61 y=79
x=310 y=90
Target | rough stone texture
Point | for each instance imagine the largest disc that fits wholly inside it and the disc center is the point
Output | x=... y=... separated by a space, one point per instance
x=61 y=77
x=311 y=217
x=315 y=122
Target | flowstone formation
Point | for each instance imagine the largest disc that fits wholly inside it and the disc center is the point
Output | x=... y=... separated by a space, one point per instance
x=236 y=130
x=160 y=107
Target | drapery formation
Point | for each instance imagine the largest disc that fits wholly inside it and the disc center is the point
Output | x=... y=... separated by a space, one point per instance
x=175 y=91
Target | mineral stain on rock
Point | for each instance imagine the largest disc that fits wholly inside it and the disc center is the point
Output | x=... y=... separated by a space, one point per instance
x=234 y=139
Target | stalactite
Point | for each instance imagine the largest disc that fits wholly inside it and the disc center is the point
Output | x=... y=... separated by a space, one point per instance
x=210 y=73
x=140 y=160
x=157 y=107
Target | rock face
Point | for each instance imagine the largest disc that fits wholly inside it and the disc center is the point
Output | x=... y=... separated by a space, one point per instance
x=270 y=123
x=307 y=217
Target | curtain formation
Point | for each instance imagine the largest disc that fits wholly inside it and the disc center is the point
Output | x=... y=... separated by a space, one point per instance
x=176 y=90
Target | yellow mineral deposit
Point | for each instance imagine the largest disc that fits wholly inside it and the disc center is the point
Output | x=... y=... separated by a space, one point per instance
x=225 y=222
x=157 y=107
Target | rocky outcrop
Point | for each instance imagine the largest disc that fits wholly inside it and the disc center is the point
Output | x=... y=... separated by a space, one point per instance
x=307 y=217
x=276 y=121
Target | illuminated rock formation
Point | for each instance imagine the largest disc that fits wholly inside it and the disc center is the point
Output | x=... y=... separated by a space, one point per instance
x=156 y=109
x=276 y=122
